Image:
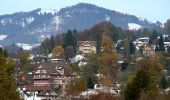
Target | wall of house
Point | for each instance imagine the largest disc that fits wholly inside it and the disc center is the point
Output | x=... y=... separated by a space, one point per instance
x=87 y=49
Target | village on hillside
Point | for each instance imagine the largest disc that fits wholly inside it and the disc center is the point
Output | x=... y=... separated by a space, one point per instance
x=53 y=77
x=84 y=50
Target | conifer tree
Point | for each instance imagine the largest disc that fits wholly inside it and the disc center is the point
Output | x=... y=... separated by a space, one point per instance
x=132 y=48
x=164 y=82
x=52 y=42
x=157 y=48
x=146 y=80
x=133 y=90
x=90 y=83
x=161 y=43
x=167 y=26
x=153 y=37
x=8 y=89
x=69 y=38
x=168 y=49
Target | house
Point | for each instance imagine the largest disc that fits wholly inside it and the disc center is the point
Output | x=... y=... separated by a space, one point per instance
x=80 y=59
x=141 y=42
x=149 y=52
x=46 y=79
x=86 y=47
x=41 y=87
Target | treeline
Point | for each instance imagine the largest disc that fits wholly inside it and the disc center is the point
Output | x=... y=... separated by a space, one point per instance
x=67 y=40
x=71 y=37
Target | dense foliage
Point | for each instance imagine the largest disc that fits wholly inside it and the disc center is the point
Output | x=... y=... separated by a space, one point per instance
x=8 y=89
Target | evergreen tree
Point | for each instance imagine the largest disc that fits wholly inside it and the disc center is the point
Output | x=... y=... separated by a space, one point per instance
x=90 y=84
x=134 y=89
x=75 y=37
x=157 y=48
x=45 y=47
x=132 y=48
x=151 y=40
x=126 y=48
x=161 y=43
x=153 y=37
x=24 y=60
x=146 y=80
x=164 y=82
x=5 y=52
x=7 y=81
x=69 y=38
x=167 y=26
x=168 y=49
x=52 y=42
x=69 y=52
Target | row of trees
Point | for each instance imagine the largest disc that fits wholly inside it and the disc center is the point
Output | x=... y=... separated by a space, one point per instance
x=67 y=40
x=71 y=37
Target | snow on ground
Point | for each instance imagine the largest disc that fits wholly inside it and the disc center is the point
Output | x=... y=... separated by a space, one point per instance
x=43 y=37
x=2 y=37
x=107 y=18
x=47 y=11
x=27 y=46
x=134 y=26
x=89 y=92
x=23 y=23
x=29 y=20
x=57 y=21
x=141 y=18
x=5 y=21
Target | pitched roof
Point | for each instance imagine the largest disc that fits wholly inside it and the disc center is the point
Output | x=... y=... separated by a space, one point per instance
x=79 y=43
x=39 y=88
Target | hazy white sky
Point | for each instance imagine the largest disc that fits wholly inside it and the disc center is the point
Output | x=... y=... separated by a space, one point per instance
x=152 y=10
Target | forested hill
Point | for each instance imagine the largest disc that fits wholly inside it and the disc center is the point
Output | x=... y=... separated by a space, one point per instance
x=94 y=33
x=32 y=27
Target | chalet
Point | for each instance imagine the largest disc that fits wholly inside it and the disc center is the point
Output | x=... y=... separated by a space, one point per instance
x=86 y=47
x=141 y=42
x=46 y=79
x=41 y=87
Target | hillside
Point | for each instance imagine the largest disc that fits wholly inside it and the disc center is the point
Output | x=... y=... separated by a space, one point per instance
x=32 y=27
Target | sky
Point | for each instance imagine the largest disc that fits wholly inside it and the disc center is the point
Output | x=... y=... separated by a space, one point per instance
x=152 y=10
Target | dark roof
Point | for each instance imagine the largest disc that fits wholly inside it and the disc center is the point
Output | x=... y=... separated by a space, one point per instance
x=40 y=88
x=54 y=64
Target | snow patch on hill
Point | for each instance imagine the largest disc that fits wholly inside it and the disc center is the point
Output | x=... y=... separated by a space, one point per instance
x=141 y=19
x=25 y=46
x=2 y=37
x=107 y=18
x=57 y=21
x=29 y=20
x=5 y=21
x=47 y=11
x=43 y=37
x=134 y=26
